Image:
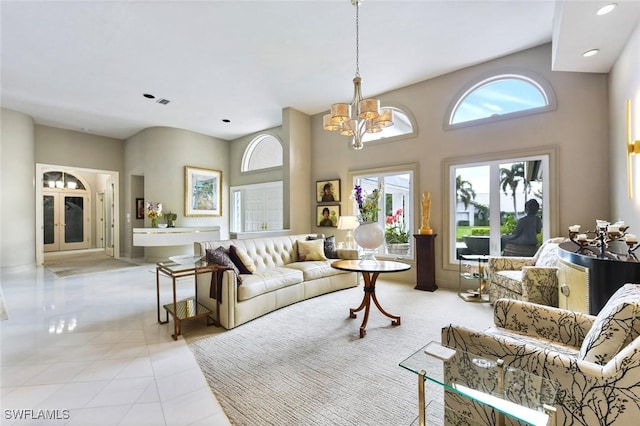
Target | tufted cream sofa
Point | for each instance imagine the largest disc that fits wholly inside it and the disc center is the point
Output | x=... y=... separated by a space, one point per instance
x=279 y=279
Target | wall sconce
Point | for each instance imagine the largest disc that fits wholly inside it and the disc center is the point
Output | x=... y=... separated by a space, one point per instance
x=633 y=147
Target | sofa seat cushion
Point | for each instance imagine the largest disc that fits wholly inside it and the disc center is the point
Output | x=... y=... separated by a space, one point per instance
x=267 y=280
x=617 y=325
x=314 y=269
x=511 y=280
x=538 y=342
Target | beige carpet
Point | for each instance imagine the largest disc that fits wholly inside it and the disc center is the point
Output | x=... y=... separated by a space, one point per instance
x=84 y=263
x=305 y=364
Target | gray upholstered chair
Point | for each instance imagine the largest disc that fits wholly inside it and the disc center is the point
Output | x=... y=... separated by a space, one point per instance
x=530 y=279
x=595 y=360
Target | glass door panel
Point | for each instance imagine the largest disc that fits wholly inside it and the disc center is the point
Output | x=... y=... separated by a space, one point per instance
x=50 y=223
x=66 y=221
x=472 y=207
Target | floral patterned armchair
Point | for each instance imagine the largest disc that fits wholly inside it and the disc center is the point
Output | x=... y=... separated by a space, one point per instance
x=595 y=360
x=530 y=279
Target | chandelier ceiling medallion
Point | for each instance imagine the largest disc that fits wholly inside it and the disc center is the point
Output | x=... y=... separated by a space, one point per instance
x=361 y=115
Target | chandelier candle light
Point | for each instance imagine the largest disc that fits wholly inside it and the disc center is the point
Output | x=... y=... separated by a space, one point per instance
x=361 y=115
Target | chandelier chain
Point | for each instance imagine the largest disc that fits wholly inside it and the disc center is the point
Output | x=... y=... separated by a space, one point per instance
x=357 y=39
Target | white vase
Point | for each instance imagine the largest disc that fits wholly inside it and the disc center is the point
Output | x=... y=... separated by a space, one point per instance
x=369 y=236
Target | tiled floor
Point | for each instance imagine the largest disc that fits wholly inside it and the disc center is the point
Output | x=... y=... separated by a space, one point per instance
x=88 y=351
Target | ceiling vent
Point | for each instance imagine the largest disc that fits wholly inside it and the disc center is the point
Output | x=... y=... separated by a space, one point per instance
x=163 y=101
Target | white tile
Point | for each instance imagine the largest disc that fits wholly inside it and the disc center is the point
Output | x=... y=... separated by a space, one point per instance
x=120 y=391
x=73 y=395
x=150 y=394
x=182 y=383
x=144 y=414
x=190 y=408
x=28 y=396
x=104 y=369
x=61 y=372
x=137 y=367
x=98 y=416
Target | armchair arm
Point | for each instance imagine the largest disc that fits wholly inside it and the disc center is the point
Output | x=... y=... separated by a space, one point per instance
x=514 y=263
x=558 y=325
x=540 y=284
x=588 y=393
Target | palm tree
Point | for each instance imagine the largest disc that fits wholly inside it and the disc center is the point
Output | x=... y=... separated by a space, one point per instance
x=509 y=179
x=464 y=191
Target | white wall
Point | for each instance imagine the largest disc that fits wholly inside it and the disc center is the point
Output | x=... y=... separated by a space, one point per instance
x=624 y=83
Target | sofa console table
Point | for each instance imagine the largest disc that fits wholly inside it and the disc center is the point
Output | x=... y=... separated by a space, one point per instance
x=162 y=237
x=426 y=262
x=605 y=274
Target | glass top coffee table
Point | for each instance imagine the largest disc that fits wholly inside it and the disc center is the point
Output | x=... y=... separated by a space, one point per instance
x=370 y=270
x=517 y=394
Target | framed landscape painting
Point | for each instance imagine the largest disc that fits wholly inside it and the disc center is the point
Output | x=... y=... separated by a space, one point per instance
x=202 y=192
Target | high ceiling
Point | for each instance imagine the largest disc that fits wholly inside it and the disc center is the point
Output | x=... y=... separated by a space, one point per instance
x=85 y=65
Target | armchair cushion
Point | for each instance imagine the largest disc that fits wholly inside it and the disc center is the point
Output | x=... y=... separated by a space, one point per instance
x=617 y=325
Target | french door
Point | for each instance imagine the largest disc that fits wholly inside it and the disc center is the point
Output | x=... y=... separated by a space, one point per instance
x=66 y=220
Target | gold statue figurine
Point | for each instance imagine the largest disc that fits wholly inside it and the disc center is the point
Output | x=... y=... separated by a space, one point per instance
x=426 y=206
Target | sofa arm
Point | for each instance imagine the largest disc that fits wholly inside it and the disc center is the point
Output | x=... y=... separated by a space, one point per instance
x=348 y=254
x=512 y=263
x=559 y=325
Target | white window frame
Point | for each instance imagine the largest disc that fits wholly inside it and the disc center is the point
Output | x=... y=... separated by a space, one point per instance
x=250 y=149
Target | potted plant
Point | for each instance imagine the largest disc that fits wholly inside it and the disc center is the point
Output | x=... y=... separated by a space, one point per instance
x=395 y=234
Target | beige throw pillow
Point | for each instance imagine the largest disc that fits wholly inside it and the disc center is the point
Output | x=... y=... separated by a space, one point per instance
x=242 y=255
x=311 y=250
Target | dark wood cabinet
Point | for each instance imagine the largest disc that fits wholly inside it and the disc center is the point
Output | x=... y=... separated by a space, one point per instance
x=426 y=262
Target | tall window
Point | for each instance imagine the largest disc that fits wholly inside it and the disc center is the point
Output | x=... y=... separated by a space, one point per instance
x=256 y=207
x=499 y=97
x=397 y=206
x=487 y=197
x=263 y=152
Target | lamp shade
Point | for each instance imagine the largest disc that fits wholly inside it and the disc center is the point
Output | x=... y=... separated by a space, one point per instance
x=348 y=222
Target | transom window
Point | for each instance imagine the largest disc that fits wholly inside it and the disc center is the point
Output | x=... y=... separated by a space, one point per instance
x=263 y=152
x=402 y=125
x=500 y=97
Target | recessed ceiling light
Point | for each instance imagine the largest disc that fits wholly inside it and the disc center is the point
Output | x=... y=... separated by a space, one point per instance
x=148 y=96
x=590 y=52
x=606 y=9
x=226 y=120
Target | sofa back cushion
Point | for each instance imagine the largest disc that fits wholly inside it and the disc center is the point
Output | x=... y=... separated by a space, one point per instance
x=266 y=252
x=617 y=325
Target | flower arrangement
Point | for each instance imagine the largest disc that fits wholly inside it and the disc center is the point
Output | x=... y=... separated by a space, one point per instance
x=394 y=231
x=153 y=212
x=367 y=203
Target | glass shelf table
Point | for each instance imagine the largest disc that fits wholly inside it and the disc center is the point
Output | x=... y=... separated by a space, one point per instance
x=478 y=263
x=508 y=391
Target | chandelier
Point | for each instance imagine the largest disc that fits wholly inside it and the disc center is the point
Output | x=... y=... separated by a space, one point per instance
x=361 y=115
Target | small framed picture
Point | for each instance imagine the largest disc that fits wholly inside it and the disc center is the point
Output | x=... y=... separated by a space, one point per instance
x=202 y=192
x=328 y=191
x=139 y=208
x=328 y=215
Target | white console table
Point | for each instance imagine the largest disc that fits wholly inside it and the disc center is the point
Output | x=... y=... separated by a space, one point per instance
x=163 y=237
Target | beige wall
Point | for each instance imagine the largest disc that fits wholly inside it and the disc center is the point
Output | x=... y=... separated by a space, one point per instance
x=624 y=83
x=578 y=128
x=17 y=195
x=159 y=155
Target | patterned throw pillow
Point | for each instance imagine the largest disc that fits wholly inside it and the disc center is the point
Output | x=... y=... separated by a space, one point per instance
x=330 y=250
x=220 y=257
x=242 y=260
x=311 y=250
x=617 y=325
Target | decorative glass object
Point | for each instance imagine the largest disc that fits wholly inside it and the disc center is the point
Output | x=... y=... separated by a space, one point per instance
x=369 y=236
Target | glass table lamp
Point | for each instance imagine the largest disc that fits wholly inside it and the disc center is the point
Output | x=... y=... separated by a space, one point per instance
x=348 y=223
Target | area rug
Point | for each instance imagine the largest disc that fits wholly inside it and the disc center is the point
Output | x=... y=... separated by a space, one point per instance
x=84 y=263
x=306 y=365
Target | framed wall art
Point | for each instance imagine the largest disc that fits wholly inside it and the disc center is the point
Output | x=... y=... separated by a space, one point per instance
x=328 y=215
x=202 y=192
x=139 y=208
x=328 y=191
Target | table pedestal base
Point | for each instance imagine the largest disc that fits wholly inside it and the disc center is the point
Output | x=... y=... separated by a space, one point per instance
x=369 y=294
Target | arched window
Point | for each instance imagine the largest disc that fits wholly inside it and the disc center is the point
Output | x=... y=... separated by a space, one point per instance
x=500 y=97
x=402 y=125
x=263 y=152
